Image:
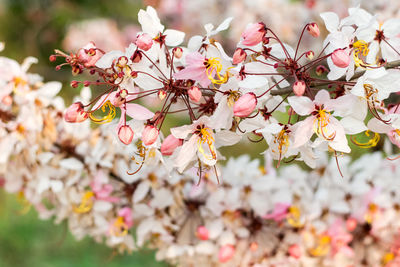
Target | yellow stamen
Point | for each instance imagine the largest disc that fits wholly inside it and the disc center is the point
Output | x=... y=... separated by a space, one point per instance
x=388 y=257
x=373 y=141
x=108 y=117
x=206 y=137
x=322 y=248
x=294 y=217
x=214 y=64
x=321 y=123
x=86 y=203
x=361 y=47
x=119 y=228
x=232 y=97
x=370 y=215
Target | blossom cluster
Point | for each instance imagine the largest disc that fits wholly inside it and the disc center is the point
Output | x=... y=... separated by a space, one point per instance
x=226 y=99
x=255 y=216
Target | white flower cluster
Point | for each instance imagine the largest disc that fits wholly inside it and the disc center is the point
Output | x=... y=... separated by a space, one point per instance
x=254 y=217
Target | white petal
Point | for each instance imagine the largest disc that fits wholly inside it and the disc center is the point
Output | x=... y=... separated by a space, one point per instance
x=174 y=37
x=301 y=104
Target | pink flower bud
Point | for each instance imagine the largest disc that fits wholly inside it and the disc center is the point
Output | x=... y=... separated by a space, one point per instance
x=89 y=55
x=299 y=88
x=125 y=134
x=75 y=113
x=245 y=105
x=340 y=58
x=149 y=135
x=295 y=251
x=239 y=56
x=313 y=29
x=74 y=84
x=225 y=253
x=7 y=100
x=170 y=144
x=351 y=224
x=253 y=34
x=52 y=58
x=162 y=94
x=310 y=55
x=177 y=52
x=194 y=93
x=202 y=233
x=144 y=41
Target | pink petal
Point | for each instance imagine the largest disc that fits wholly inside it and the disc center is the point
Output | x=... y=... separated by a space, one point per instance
x=138 y=112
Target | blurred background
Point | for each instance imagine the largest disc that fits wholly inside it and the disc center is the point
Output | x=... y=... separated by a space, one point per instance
x=37 y=27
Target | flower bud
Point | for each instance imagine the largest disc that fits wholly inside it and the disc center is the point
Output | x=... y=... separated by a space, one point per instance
x=149 y=135
x=351 y=224
x=321 y=69
x=313 y=29
x=52 y=58
x=75 y=113
x=177 y=52
x=202 y=233
x=74 y=84
x=7 y=100
x=125 y=134
x=194 y=93
x=245 y=105
x=144 y=41
x=340 y=58
x=89 y=55
x=295 y=251
x=239 y=56
x=310 y=55
x=170 y=144
x=162 y=94
x=253 y=34
x=136 y=57
x=299 y=88
x=225 y=253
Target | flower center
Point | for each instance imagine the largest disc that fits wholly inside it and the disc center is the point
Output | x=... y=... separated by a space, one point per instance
x=321 y=124
x=86 y=203
x=361 y=49
x=214 y=65
x=119 y=227
x=205 y=137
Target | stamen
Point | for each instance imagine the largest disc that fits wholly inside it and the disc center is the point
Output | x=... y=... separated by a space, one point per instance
x=205 y=135
x=323 y=246
x=86 y=203
x=214 y=64
x=107 y=118
x=373 y=141
x=119 y=227
x=361 y=47
x=321 y=124
x=294 y=217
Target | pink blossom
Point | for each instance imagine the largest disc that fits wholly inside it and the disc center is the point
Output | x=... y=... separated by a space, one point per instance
x=239 y=56
x=144 y=41
x=245 y=105
x=75 y=113
x=149 y=135
x=196 y=66
x=253 y=34
x=101 y=189
x=280 y=212
x=125 y=134
x=225 y=253
x=340 y=239
x=170 y=144
x=195 y=93
x=340 y=58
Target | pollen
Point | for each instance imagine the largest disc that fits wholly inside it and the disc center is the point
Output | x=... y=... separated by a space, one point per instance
x=323 y=246
x=294 y=217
